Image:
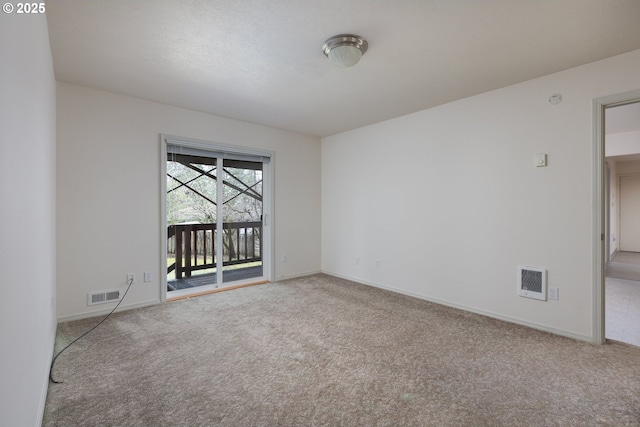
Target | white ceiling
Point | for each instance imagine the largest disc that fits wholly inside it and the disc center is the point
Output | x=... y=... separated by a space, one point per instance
x=261 y=61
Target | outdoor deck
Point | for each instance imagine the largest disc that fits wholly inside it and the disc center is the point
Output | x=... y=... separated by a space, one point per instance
x=210 y=278
x=194 y=249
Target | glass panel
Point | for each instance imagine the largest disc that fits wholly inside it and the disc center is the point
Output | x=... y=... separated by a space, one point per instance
x=191 y=221
x=242 y=220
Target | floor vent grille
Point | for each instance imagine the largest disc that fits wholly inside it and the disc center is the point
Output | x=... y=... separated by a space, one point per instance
x=103 y=297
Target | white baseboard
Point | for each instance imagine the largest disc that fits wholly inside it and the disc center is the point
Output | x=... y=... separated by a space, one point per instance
x=89 y=314
x=106 y=311
x=43 y=401
x=493 y=315
x=294 y=276
x=45 y=389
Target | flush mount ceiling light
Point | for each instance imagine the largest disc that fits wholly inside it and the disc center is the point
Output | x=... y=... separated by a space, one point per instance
x=345 y=50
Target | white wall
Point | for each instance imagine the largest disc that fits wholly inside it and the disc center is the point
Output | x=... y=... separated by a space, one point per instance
x=623 y=168
x=628 y=168
x=448 y=199
x=109 y=192
x=623 y=143
x=27 y=221
x=614 y=207
x=618 y=144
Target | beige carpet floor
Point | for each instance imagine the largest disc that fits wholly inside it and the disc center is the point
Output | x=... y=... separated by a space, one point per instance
x=321 y=351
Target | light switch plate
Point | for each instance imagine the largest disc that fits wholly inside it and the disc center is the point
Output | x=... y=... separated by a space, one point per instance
x=541 y=160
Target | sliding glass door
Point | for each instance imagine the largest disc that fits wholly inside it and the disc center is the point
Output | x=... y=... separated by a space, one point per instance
x=215 y=218
x=242 y=220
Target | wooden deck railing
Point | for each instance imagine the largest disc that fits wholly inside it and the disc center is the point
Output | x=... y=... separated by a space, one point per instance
x=194 y=245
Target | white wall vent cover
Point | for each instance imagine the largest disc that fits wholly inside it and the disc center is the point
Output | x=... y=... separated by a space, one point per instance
x=532 y=282
x=102 y=297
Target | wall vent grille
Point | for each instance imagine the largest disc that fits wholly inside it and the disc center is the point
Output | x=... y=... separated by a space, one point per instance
x=103 y=297
x=532 y=282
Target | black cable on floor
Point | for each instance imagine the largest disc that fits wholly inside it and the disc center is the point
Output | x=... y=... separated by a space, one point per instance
x=74 y=341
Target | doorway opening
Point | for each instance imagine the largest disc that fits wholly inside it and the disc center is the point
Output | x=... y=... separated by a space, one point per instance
x=621 y=137
x=216 y=201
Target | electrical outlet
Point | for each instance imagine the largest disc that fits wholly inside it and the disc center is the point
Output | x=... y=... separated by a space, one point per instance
x=147 y=276
x=131 y=278
x=554 y=294
x=284 y=258
x=357 y=260
x=377 y=263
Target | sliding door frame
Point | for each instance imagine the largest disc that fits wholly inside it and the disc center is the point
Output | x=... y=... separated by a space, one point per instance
x=268 y=169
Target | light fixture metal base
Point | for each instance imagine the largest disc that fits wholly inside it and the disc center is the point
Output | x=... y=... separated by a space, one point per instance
x=345 y=42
